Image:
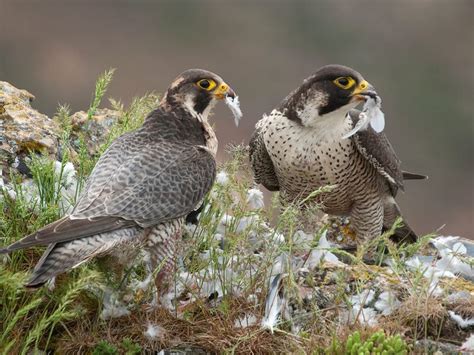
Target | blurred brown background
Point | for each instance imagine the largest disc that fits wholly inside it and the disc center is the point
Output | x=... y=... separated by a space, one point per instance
x=418 y=54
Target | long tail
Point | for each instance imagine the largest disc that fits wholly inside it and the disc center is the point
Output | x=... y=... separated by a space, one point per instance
x=403 y=234
x=413 y=176
x=64 y=256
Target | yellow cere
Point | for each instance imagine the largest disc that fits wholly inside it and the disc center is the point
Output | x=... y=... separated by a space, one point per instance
x=207 y=84
x=344 y=82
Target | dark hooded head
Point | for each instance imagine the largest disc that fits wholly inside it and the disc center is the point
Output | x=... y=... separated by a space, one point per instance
x=332 y=89
x=198 y=90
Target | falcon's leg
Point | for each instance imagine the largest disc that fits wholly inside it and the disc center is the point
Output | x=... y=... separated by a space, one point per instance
x=162 y=243
x=391 y=213
x=367 y=219
x=64 y=256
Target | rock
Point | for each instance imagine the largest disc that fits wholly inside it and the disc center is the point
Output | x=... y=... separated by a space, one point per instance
x=22 y=128
x=94 y=130
x=434 y=347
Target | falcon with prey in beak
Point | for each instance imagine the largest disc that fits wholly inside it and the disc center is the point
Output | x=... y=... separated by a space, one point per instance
x=143 y=186
x=316 y=137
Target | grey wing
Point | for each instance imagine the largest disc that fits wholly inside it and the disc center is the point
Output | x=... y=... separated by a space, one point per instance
x=262 y=165
x=155 y=184
x=376 y=149
x=141 y=185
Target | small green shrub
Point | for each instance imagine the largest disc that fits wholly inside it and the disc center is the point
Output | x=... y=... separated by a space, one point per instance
x=105 y=348
x=130 y=347
x=377 y=344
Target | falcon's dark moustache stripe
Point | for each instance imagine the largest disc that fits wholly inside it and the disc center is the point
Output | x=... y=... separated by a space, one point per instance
x=201 y=101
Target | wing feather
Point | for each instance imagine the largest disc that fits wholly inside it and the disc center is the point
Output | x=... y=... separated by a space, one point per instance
x=66 y=229
x=376 y=149
x=262 y=165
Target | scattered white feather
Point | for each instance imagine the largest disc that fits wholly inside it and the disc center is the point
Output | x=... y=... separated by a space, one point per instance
x=434 y=287
x=115 y=309
x=141 y=285
x=222 y=178
x=430 y=272
x=463 y=323
x=365 y=316
x=273 y=304
x=276 y=237
x=468 y=345
x=427 y=269
x=458 y=296
x=387 y=303
x=211 y=285
x=11 y=193
x=279 y=265
x=166 y=300
x=452 y=260
x=112 y=306
x=16 y=163
x=321 y=253
x=51 y=283
x=154 y=331
x=451 y=263
x=255 y=199
x=67 y=173
x=225 y=223
x=245 y=321
x=229 y=222
x=363 y=298
x=246 y=222
x=234 y=106
x=252 y=298
x=444 y=242
x=303 y=240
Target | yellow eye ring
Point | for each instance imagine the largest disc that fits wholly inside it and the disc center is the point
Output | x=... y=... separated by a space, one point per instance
x=344 y=82
x=206 y=84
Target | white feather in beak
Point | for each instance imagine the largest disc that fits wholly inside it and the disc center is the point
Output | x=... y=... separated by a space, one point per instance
x=234 y=106
x=371 y=114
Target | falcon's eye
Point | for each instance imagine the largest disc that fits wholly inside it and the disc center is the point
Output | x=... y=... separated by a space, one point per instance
x=206 y=84
x=344 y=82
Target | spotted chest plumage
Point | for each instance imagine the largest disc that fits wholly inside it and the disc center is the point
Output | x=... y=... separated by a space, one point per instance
x=306 y=159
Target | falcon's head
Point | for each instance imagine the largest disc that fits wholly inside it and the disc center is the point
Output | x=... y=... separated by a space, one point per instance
x=331 y=92
x=198 y=91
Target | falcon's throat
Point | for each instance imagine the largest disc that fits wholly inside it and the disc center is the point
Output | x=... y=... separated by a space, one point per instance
x=199 y=105
x=317 y=107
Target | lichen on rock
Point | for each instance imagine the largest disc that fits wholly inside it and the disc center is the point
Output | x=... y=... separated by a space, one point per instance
x=22 y=128
x=94 y=130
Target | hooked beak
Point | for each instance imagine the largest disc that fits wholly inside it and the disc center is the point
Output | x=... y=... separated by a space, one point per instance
x=231 y=100
x=363 y=92
x=223 y=91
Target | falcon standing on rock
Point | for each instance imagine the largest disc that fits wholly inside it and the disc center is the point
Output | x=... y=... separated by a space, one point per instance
x=143 y=186
x=316 y=138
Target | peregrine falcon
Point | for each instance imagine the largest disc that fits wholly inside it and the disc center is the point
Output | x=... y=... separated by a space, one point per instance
x=143 y=186
x=302 y=146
